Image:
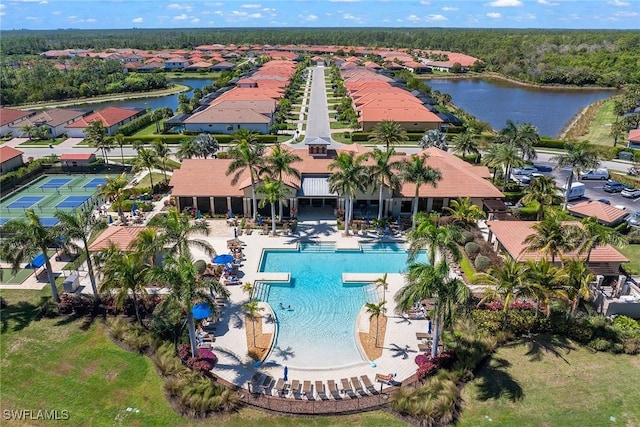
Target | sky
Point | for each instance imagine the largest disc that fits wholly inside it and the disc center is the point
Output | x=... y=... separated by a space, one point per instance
x=105 y=14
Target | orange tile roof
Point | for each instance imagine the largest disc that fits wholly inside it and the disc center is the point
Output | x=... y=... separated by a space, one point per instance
x=259 y=106
x=634 y=135
x=414 y=114
x=77 y=156
x=605 y=213
x=121 y=236
x=8 y=153
x=109 y=116
x=511 y=235
x=8 y=115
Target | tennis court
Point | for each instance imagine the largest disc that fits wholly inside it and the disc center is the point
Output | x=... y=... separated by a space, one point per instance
x=49 y=194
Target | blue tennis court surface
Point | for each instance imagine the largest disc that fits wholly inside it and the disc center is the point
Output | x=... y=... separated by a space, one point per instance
x=56 y=183
x=3 y=221
x=49 y=222
x=72 y=201
x=95 y=182
x=25 y=202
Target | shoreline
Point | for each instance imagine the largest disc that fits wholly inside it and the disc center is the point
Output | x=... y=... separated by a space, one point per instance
x=177 y=88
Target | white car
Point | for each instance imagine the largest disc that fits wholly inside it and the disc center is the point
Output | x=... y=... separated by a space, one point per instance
x=595 y=174
x=631 y=193
x=526 y=170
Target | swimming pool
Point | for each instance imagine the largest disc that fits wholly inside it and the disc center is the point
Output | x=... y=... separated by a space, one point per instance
x=316 y=322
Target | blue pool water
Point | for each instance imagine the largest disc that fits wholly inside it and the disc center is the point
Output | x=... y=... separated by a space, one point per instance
x=318 y=331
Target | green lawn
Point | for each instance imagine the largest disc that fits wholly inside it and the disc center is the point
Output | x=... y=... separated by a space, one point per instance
x=7 y=276
x=44 y=142
x=553 y=382
x=149 y=130
x=146 y=181
x=72 y=364
x=633 y=253
x=600 y=126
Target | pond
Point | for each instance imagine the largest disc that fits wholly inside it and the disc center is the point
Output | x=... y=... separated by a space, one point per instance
x=496 y=101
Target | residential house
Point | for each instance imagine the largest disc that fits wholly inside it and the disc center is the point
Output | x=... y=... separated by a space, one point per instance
x=227 y=120
x=10 y=159
x=55 y=120
x=11 y=117
x=121 y=237
x=606 y=214
x=111 y=117
x=175 y=63
x=72 y=161
x=634 y=139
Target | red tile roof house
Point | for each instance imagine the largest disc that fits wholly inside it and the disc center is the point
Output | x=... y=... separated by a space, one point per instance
x=111 y=117
x=606 y=214
x=10 y=159
x=56 y=120
x=121 y=237
x=11 y=117
x=216 y=194
x=634 y=139
x=71 y=161
x=227 y=120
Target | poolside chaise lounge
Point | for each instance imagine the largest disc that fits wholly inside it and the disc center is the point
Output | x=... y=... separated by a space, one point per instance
x=295 y=386
x=423 y=335
x=333 y=388
x=424 y=347
x=367 y=382
x=346 y=387
x=387 y=379
x=280 y=386
x=306 y=389
x=320 y=390
x=356 y=384
x=256 y=382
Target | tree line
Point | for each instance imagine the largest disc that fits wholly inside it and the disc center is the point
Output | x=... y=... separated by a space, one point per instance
x=567 y=57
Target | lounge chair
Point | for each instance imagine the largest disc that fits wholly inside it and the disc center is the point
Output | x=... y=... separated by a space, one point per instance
x=356 y=384
x=423 y=335
x=295 y=386
x=280 y=386
x=320 y=390
x=256 y=382
x=346 y=386
x=268 y=381
x=424 y=347
x=367 y=382
x=386 y=379
x=333 y=388
x=306 y=389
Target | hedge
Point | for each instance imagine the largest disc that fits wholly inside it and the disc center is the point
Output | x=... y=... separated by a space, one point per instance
x=365 y=136
x=135 y=125
x=176 y=139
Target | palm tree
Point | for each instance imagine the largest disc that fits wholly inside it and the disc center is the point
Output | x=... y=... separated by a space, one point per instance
x=465 y=144
x=114 y=189
x=178 y=230
x=207 y=145
x=80 y=225
x=552 y=237
x=274 y=192
x=348 y=176
x=119 y=141
x=252 y=309
x=418 y=172
x=245 y=136
x=125 y=273
x=507 y=284
x=579 y=156
x=433 y=281
x=162 y=151
x=249 y=289
x=465 y=212
x=438 y=239
x=388 y=132
x=29 y=129
x=542 y=190
x=148 y=243
x=146 y=159
x=180 y=275
x=505 y=156
x=383 y=172
x=247 y=156
x=544 y=279
x=278 y=163
x=24 y=239
x=598 y=235
x=188 y=149
x=578 y=283
x=522 y=136
x=382 y=283
x=96 y=136
x=376 y=310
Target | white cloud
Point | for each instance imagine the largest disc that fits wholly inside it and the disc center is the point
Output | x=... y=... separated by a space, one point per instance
x=251 y=6
x=618 y=3
x=349 y=17
x=494 y=15
x=505 y=3
x=413 y=18
x=2 y=13
x=218 y=12
x=526 y=17
x=548 y=3
x=308 y=18
x=90 y=20
x=33 y=18
x=345 y=1
x=185 y=7
x=255 y=15
x=195 y=20
x=56 y=12
x=214 y=4
x=137 y=20
x=449 y=9
x=68 y=17
x=242 y=14
x=625 y=14
x=2 y=6
x=181 y=17
x=425 y=2
x=437 y=17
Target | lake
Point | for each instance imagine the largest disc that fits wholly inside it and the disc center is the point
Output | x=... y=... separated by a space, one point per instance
x=496 y=101
x=170 y=101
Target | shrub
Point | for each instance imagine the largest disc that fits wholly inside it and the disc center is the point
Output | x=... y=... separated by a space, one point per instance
x=133 y=126
x=482 y=262
x=600 y=344
x=201 y=265
x=466 y=237
x=626 y=323
x=472 y=249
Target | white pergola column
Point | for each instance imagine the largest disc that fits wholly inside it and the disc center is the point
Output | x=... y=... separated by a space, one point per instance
x=211 y=205
x=228 y=203
x=429 y=204
x=195 y=202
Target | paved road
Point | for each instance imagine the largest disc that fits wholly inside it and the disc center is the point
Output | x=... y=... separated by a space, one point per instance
x=318 y=113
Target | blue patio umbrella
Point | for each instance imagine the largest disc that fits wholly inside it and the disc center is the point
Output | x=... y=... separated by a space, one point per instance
x=399 y=222
x=235 y=233
x=230 y=213
x=134 y=207
x=286 y=374
x=223 y=259
x=201 y=310
x=110 y=219
x=199 y=214
x=260 y=221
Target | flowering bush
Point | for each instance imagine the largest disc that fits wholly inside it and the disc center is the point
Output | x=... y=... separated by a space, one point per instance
x=428 y=365
x=204 y=362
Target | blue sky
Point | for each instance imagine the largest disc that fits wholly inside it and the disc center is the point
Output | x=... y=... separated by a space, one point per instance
x=52 y=14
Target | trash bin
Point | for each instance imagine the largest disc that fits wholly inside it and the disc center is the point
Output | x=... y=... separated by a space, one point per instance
x=625 y=155
x=71 y=283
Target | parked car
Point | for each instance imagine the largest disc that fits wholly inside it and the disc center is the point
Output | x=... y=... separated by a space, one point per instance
x=525 y=170
x=634 y=219
x=634 y=171
x=595 y=174
x=576 y=192
x=605 y=201
x=631 y=193
x=613 y=186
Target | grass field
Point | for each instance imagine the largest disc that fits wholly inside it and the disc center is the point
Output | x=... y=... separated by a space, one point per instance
x=600 y=126
x=21 y=275
x=633 y=253
x=552 y=382
x=71 y=364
